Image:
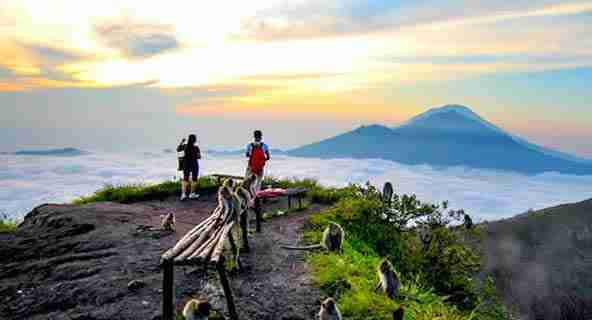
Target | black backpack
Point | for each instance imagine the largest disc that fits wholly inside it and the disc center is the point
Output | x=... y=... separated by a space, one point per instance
x=180 y=157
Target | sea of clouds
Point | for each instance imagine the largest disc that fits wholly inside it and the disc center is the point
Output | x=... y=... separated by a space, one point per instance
x=28 y=181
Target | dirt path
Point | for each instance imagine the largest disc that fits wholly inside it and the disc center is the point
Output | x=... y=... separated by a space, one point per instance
x=75 y=262
x=274 y=283
x=277 y=284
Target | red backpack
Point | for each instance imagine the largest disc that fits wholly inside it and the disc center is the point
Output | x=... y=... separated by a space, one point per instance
x=257 y=159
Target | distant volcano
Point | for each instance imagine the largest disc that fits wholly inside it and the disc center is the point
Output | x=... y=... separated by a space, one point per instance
x=452 y=135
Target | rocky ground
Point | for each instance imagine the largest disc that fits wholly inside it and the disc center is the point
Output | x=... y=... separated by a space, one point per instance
x=77 y=262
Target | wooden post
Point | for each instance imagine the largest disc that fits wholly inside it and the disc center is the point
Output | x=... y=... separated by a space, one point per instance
x=245 y=233
x=300 y=202
x=258 y=214
x=226 y=287
x=289 y=201
x=168 y=309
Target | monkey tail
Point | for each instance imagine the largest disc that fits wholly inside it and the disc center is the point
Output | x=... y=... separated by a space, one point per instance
x=316 y=246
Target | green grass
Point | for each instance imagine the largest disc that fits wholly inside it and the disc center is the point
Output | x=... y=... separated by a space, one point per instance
x=351 y=277
x=128 y=193
x=7 y=225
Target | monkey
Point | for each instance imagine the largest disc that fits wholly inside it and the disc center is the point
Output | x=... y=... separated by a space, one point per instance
x=332 y=239
x=387 y=193
x=468 y=222
x=425 y=236
x=244 y=198
x=224 y=194
x=329 y=310
x=250 y=185
x=168 y=222
x=228 y=197
x=387 y=279
x=398 y=314
x=228 y=183
x=197 y=309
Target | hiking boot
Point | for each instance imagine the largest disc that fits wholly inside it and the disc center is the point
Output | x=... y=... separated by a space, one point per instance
x=183 y=197
x=193 y=195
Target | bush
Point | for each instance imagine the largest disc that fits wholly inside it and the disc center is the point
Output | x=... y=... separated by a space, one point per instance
x=422 y=244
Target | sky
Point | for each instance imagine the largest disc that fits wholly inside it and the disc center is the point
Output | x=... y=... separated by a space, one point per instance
x=120 y=75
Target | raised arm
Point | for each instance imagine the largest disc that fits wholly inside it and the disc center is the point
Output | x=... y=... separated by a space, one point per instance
x=267 y=157
x=248 y=153
x=181 y=145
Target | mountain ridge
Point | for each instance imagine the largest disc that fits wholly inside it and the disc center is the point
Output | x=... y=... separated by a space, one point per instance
x=452 y=135
x=59 y=152
x=466 y=111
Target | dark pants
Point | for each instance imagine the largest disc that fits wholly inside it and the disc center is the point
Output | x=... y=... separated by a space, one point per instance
x=192 y=170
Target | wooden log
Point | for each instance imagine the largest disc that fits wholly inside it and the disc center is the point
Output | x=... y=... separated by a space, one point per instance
x=188 y=238
x=203 y=237
x=258 y=214
x=208 y=249
x=217 y=253
x=227 y=291
x=204 y=251
x=168 y=308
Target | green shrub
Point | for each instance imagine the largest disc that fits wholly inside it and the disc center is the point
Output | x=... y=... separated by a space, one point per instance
x=141 y=192
x=423 y=246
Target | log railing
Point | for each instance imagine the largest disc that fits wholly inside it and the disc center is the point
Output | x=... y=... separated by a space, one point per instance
x=204 y=245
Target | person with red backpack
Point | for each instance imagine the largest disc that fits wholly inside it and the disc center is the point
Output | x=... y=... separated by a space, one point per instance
x=258 y=154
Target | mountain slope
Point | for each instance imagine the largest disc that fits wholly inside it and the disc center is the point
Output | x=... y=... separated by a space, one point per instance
x=448 y=136
x=541 y=261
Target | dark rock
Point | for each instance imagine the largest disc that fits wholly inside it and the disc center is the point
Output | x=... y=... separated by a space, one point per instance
x=77 y=262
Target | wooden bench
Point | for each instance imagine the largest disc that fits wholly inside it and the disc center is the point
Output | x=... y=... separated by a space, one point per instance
x=204 y=245
x=298 y=193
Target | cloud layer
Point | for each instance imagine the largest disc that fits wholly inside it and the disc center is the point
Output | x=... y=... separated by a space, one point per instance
x=27 y=181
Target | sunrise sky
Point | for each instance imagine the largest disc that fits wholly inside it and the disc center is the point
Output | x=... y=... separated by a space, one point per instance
x=121 y=74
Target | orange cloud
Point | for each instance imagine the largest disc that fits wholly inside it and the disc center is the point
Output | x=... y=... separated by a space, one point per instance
x=17 y=59
x=32 y=83
x=7 y=87
x=285 y=102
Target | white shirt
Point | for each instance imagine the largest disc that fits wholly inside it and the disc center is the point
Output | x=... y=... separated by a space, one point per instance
x=264 y=147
